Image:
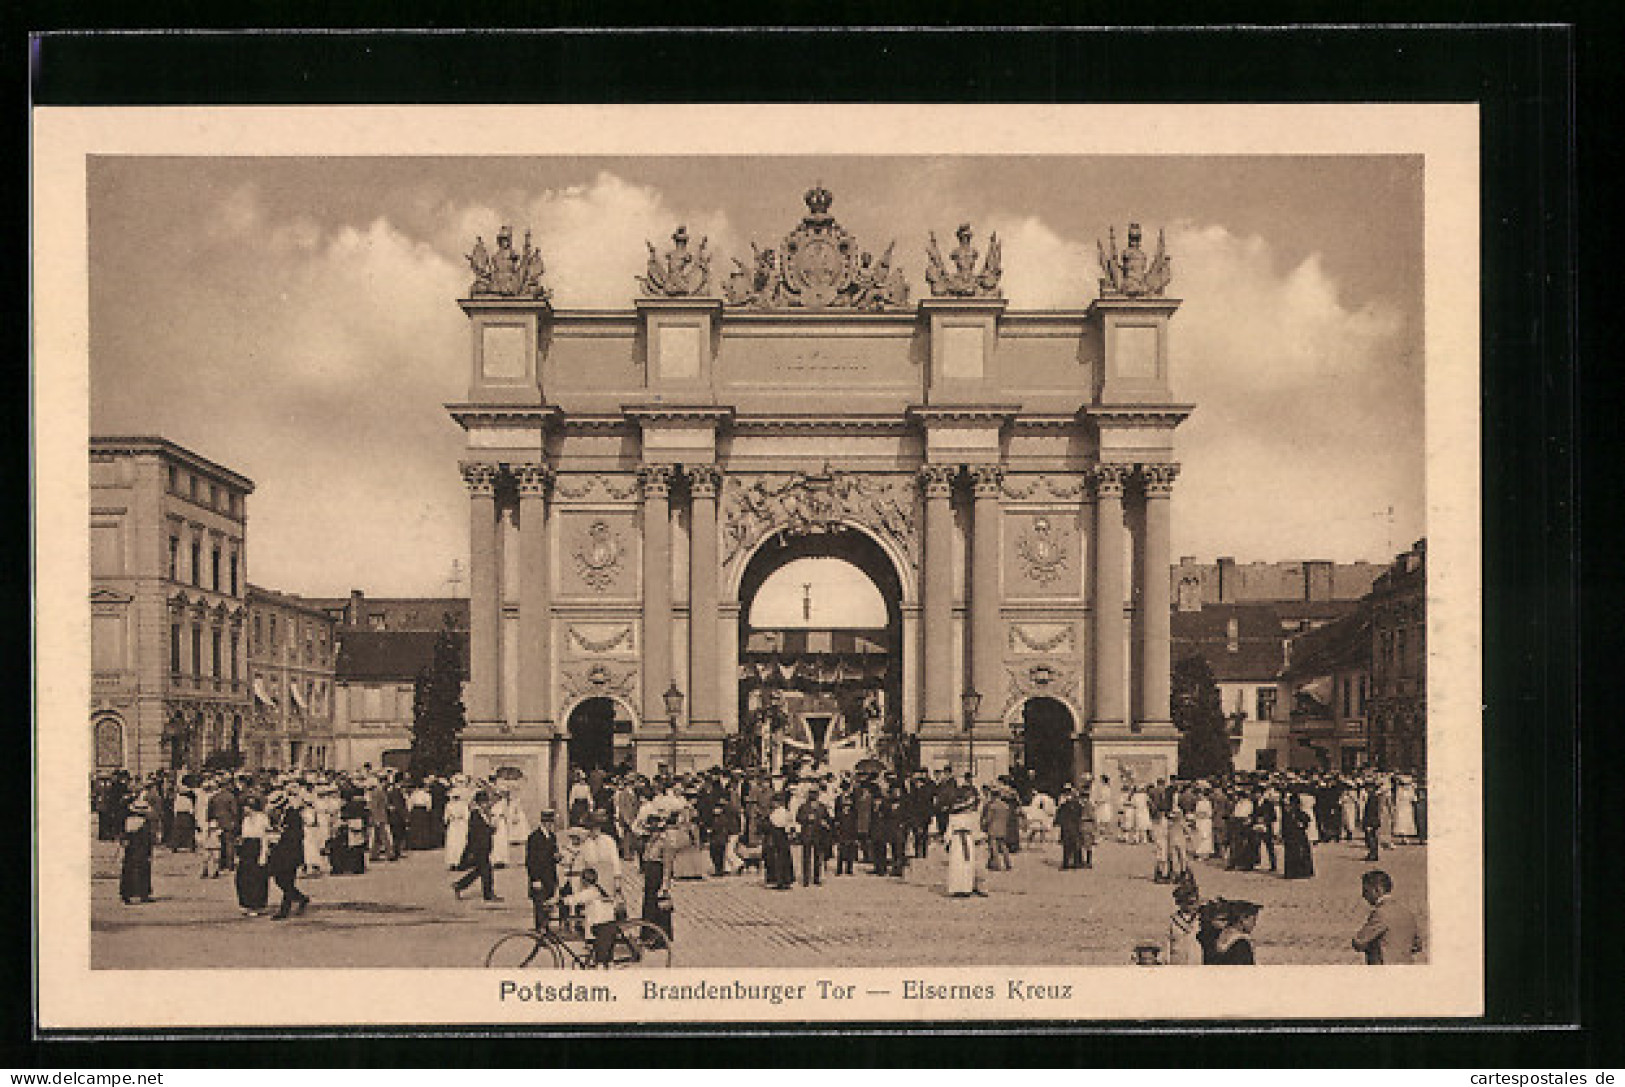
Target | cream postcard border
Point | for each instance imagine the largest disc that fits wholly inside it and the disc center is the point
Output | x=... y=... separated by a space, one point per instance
x=71 y=995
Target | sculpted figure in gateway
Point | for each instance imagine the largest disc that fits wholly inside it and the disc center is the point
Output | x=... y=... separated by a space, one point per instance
x=636 y=478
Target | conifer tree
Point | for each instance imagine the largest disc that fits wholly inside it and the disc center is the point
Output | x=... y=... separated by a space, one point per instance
x=437 y=707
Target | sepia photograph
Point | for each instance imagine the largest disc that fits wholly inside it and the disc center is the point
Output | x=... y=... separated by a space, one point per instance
x=801 y=565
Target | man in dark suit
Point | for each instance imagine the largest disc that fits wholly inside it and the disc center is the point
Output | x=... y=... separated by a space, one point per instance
x=1390 y=934
x=542 y=865
x=1069 y=818
x=1371 y=820
x=395 y=807
x=478 y=852
x=814 y=819
x=225 y=811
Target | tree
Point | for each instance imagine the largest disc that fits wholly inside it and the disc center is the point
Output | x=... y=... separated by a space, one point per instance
x=1204 y=738
x=437 y=707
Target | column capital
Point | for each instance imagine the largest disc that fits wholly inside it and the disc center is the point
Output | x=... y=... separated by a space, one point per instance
x=703 y=480
x=1158 y=479
x=1110 y=478
x=656 y=480
x=937 y=480
x=988 y=479
x=481 y=478
x=533 y=479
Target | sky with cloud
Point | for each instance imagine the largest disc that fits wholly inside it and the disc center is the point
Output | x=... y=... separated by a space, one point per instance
x=295 y=319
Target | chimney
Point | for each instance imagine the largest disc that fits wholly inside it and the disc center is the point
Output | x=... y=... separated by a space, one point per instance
x=1227 y=579
x=355 y=614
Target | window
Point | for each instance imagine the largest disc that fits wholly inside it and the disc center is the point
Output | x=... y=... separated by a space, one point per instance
x=1266 y=703
x=1233 y=634
x=234 y=647
x=214 y=640
x=175 y=648
x=197 y=650
x=273 y=632
x=174 y=480
x=197 y=564
x=174 y=558
x=1266 y=760
x=191 y=487
x=259 y=634
x=233 y=575
x=214 y=497
x=214 y=582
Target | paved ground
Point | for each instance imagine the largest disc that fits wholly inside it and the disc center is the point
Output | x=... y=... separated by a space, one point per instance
x=403 y=914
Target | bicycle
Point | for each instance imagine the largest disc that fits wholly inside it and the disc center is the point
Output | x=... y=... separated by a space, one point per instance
x=638 y=944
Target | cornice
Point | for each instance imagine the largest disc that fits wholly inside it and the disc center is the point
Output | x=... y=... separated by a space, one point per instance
x=1157 y=416
x=966 y=413
x=646 y=414
x=502 y=414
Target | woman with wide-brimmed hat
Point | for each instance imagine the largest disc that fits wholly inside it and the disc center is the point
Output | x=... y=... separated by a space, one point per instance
x=1234 y=944
x=135 y=865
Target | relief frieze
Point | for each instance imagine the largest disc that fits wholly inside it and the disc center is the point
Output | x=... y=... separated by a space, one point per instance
x=826 y=501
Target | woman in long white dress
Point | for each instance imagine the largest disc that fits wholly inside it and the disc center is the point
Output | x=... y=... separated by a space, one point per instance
x=1405 y=810
x=1105 y=808
x=315 y=833
x=1142 y=816
x=456 y=827
x=500 y=846
x=964 y=840
x=1203 y=846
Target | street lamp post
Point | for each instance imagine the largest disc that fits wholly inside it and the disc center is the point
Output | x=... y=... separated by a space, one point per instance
x=674 y=710
x=970 y=701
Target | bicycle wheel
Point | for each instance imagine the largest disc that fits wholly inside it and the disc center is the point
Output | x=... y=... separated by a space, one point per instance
x=517 y=950
x=640 y=945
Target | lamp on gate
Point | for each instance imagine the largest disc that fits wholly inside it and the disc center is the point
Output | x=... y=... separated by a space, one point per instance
x=970 y=701
x=674 y=710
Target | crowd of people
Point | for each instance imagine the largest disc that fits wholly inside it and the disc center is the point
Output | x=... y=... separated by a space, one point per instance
x=625 y=834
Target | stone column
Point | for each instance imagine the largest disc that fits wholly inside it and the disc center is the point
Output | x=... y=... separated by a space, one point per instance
x=656 y=479
x=937 y=481
x=535 y=623
x=704 y=708
x=1155 y=625
x=985 y=638
x=485 y=596
x=1108 y=602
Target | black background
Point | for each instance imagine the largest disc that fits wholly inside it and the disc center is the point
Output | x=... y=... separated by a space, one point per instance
x=1537 y=404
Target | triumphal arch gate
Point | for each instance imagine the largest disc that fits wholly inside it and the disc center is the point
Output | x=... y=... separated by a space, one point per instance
x=637 y=475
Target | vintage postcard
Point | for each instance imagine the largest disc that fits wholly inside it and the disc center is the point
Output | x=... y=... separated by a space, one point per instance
x=643 y=565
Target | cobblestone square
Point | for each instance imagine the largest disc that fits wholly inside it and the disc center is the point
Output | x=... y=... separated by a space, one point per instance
x=403 y=914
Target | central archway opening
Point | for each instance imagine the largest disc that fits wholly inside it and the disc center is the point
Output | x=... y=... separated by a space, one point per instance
x=591 y=743
x=820 y=664
x=1045 y=744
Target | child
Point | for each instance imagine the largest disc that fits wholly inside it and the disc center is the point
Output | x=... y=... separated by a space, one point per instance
x=599 y=915
x=1184 y=927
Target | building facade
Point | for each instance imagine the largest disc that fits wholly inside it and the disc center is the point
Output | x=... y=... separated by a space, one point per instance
x=1245 y=620
x=1327 y=689
x=290 y=660
x=381 y=646
x=1004 y=478
x=1399 y=684
x=169 y=574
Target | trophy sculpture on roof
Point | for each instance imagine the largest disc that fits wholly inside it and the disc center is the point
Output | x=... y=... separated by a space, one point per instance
x=963 y=280
x=1130 y=273
x=681 y=273
x=819 y=265
x=507 y=273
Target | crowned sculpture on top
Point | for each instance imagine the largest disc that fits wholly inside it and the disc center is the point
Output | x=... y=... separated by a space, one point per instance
x=963 y=280
x=507 y=273
x=681 y=273
x=819 y=265
x=1131 y=273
